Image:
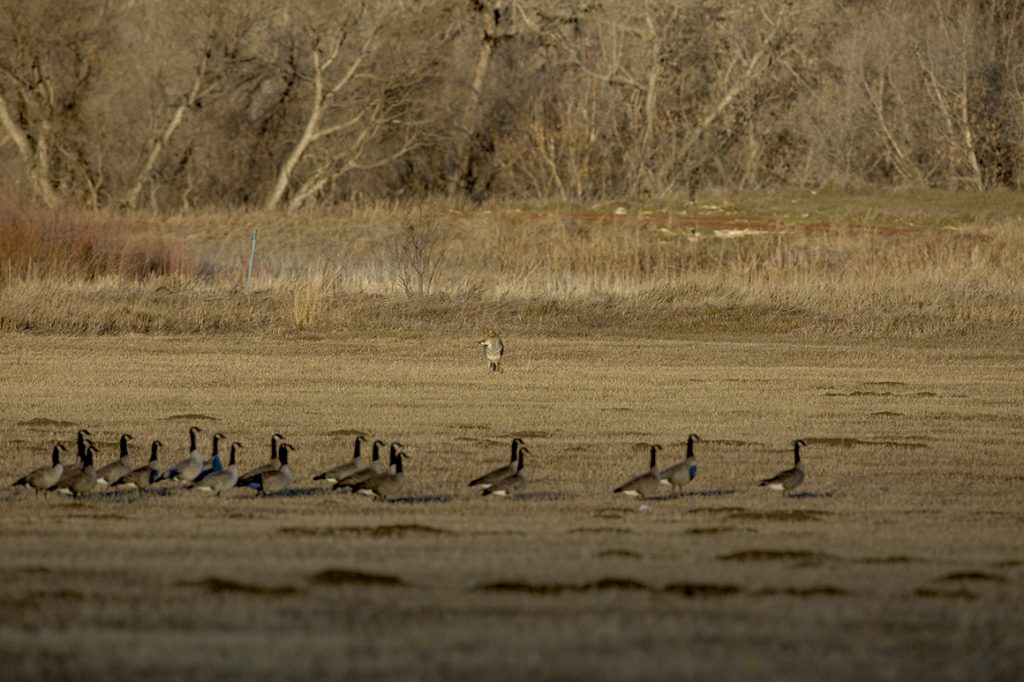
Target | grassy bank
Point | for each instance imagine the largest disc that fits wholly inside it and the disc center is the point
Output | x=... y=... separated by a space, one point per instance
x=795 y=264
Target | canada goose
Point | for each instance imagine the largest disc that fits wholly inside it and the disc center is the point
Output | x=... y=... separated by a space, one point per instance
x=72 y=468
x=115 y=470
x=491 y=477
x=494 y=349
x=514 y=483
x=680 y=474
x=273 y=465
x=222 y=480
x=275 y=481
x=188 y=469
x=645 y=485
x=44 y=478
x=145 y=475
x=790 y=478
x=367 y=472
x=335 y=474
x=385 y=484
x=214 y=465
x=85 y=480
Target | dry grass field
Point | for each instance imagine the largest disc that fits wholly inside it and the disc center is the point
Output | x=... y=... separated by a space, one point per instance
x=901 y=556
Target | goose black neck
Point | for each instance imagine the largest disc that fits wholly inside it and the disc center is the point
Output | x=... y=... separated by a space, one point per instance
x=358 y=452
x=81 y=443
x=689 y=445
x=234 y=449
x=394 y=451
x=192 y=438
x=516 y=444
x=282 y=454
x=153 y=450
x=56 y=455
x=124 y=444
x=796 y=452
x=216 y=444
x=654 y=456
x=274 y=440
x=398 y=463
x=521 y=456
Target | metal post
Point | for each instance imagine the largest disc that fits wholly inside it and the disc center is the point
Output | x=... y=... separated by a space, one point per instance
x=252 y=259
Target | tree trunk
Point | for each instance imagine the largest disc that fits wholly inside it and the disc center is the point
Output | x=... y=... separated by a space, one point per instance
x=471 y=112
x=131 y=197
x=36 y=159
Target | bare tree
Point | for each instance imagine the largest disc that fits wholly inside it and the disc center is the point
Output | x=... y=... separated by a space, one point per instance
x=350 y=108
x=44 y=77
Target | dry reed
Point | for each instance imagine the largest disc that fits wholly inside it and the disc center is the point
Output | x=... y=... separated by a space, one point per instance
x=545 y=271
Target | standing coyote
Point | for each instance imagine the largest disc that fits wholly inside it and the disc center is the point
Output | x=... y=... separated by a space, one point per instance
x=493 y=349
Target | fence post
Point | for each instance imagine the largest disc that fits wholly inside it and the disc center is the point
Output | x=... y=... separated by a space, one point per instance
x=252 y=259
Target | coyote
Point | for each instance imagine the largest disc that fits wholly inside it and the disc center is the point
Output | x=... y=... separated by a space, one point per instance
x=493 y=349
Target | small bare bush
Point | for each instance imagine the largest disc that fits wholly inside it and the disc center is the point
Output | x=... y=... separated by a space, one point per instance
x=418 y=250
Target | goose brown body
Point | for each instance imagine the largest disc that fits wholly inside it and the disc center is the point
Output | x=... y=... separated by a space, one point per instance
x=790 y=478
x=648 y=484
x=45 y=478
x=492 y=477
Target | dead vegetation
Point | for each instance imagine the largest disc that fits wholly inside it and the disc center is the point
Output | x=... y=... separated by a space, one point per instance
x=443 y=267
x=920 y=545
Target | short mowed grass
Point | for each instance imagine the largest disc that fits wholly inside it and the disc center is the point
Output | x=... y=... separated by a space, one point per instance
x=898 y=558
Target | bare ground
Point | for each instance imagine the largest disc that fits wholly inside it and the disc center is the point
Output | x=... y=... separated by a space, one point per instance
x=900 y=557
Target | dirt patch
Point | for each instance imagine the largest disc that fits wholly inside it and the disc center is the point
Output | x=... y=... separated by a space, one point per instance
x=346 y=432
x=44 y=423
x=814 y=591
x=344 y=576
x=605 y=584
x=189 y=417
x=220 y=585
x=801 y=557
x=972 y=576
x=523 y=434
x=619 y=554
x=600 y=529
x=702 y=589
x=736 y=443
x=895 y=559
x=711 y=530
x=388 y=531
x=846 y=442
x=784 y=515
x=930 y=593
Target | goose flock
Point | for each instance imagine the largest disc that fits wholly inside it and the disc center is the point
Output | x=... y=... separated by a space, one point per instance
x=373 y=478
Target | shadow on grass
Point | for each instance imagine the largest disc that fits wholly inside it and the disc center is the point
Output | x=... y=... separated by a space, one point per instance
x=810 y=495
x=423 y=499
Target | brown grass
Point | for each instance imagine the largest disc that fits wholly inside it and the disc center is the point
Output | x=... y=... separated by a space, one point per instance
x=900 y=558
x=65 y=245
x=653 y=271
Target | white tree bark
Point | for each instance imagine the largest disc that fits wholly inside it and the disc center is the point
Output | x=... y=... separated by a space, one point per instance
x=323 y=94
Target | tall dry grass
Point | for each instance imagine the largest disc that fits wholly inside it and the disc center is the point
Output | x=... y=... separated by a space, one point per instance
x=60 y=243
x=545 y=271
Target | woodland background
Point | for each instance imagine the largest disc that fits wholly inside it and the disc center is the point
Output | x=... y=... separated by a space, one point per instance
x=180 y=104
